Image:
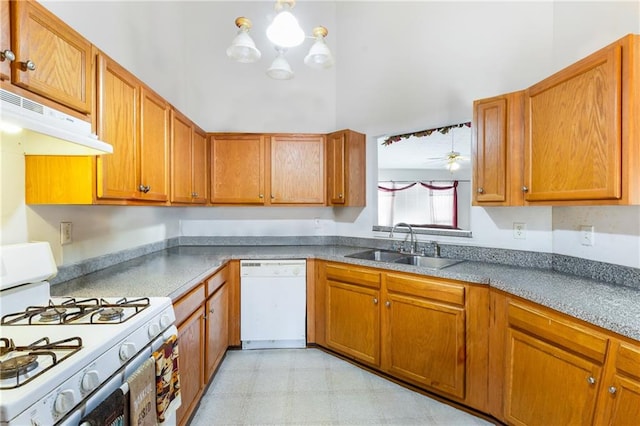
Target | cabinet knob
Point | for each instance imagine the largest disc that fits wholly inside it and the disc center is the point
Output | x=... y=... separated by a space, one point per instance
x=261 y=196
x=144 y=188
x=387 y=303
x=211 y=310
x=340 y=195
x=480 y=190
x=613 y=390
x=525 y=189
x=591 y=380
x=194 y=195
x=375 y=300
x=29 y=65
x=8 y=55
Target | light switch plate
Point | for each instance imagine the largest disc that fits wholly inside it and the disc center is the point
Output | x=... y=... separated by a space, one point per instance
x=65 y=233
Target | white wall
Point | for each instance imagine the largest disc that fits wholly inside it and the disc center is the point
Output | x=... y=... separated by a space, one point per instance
x=381 y=84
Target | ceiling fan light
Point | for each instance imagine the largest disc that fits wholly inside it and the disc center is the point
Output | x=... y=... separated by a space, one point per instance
x=285 y=31
x=280 y=68
x=242 y=48
x=452 y=166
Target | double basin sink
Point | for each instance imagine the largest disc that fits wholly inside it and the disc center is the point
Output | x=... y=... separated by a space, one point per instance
x=405 y=258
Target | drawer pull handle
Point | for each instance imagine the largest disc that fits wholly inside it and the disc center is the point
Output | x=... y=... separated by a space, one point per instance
x=591 y=380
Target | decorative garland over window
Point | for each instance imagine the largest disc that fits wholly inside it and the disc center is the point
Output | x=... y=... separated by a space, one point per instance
x=444 y=130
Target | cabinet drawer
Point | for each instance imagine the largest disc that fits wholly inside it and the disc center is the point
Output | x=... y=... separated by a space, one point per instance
x=426 y=288
x=628 y=360
x=553 y=328
x=188 y=303
x=216 y=281
x=353 y=275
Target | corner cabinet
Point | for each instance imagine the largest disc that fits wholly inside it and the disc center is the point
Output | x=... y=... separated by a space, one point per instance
x=346 y=169
x=51 y=59
x=581 y=132
x=189 y=161
x=498 y=147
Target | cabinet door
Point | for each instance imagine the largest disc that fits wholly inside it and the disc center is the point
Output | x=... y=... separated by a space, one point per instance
x=153 y=181
x=620 y=397
x=490 y=150
x=5 y=39
x=191 y=346
x=199 y=164
x=181 y=159
x=60 y=56
x=297 y=170
x=217 y=333
x=424 y=342
x=548 y=385
x=336 y=167
x=237 y=169
x=118 y=95
x=353 y=321
x=573 y=131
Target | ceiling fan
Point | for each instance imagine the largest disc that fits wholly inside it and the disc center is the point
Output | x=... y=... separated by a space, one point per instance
x=451 y=159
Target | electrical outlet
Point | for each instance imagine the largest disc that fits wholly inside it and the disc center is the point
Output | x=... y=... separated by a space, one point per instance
x=586 y=235
x=65 y=233
x=519 y=231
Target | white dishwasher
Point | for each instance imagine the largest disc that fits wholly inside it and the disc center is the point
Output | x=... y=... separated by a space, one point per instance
x=273 y=304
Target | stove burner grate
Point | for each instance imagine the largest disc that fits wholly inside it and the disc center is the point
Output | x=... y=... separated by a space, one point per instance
x=20 y=360
x=111 y=314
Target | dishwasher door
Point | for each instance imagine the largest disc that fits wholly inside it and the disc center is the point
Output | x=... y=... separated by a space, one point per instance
x=273 y=304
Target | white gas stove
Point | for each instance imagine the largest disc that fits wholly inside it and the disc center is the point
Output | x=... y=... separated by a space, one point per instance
x=60 y=357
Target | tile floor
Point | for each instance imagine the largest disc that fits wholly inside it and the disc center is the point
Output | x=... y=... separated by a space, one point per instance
x=311 y=387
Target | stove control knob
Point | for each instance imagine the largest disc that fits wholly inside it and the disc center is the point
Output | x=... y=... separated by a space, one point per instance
x=90 y=380
x=165 y=321
x=64 y=401
x=154 y=330
x=127 y=350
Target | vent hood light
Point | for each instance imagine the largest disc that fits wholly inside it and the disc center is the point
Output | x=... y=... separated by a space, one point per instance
x=47 y=131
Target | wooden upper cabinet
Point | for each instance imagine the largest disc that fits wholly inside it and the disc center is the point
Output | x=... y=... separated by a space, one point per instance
x=297 y=169
x=188 y=161
x=346 y=169
x=181 y=155
x=497 y=150
x=237 y=168
x=200 y=181
x=52 y=59
x=581 y=132
x=155 y=115
x=5 y=40
x=117 y=116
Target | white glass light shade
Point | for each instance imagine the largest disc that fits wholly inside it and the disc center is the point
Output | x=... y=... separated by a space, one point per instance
x=453 y=165
x=319 y=55
x=242 y=48
x=285 y=31
x=280 y=68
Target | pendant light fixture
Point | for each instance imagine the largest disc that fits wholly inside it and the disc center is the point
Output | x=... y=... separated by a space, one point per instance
x=284 y=32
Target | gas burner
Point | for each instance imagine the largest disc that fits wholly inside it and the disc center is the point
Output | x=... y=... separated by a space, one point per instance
x=20 y=360
x=111 y=314
x=52 y=314
x=17 y=366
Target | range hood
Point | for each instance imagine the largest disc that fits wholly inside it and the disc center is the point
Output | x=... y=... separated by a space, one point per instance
x=45 y=131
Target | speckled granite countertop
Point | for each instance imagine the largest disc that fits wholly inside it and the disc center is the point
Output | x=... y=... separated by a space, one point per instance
x=172 y=272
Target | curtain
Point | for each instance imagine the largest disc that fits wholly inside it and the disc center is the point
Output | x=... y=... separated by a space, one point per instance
x=426 y=205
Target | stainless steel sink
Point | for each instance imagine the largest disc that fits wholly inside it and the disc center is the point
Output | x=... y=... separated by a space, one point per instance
x=378 y=255
x=428 y=262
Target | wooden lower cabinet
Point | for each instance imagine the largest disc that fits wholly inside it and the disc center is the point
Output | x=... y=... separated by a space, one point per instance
x=424 y=333
x=412 y=327
x=202 y=316
x=353 y=312
x=191 y=327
